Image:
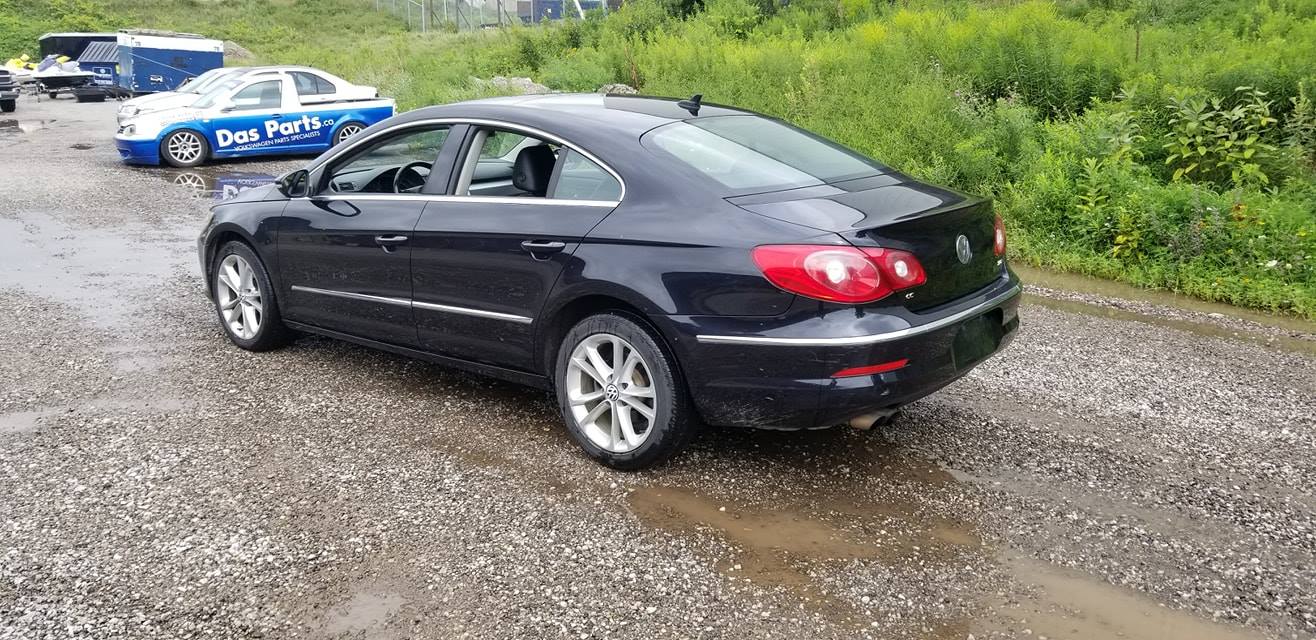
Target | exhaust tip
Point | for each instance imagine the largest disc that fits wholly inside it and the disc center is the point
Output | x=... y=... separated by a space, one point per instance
x=867 y=421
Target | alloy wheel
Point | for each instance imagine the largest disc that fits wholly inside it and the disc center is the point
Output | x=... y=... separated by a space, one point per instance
x=185 y=147
x=239 y=297
x=611 y=394
x=349 y=130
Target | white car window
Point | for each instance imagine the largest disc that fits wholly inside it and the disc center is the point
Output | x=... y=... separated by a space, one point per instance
x=262 y=95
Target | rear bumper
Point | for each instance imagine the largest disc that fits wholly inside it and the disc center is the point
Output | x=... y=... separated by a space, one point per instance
x=777 y=373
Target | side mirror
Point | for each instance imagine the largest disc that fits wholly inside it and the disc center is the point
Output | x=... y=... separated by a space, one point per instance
x=225 y=105
x=294 y=184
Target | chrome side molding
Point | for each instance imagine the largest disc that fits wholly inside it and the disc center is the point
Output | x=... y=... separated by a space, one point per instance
x=428 y=306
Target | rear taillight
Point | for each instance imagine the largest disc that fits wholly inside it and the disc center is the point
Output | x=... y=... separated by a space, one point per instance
x=839 y=273
x=998 y=238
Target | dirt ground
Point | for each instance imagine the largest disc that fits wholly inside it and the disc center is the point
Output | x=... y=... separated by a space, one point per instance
x=1134 y=466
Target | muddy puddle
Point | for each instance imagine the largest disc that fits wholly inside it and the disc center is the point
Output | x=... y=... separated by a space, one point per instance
x=1276 y=331
x=215 y=183
x=794 y=541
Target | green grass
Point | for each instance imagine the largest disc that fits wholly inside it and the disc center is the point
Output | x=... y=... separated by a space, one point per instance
x=1060 y=110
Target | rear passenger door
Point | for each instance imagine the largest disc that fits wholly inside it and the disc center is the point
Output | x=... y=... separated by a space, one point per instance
x=486 y=255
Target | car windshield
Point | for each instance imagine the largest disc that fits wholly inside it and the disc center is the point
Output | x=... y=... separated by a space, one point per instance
x=754 y=154
x=208 y=80
x=192 y=84
x=216 y=89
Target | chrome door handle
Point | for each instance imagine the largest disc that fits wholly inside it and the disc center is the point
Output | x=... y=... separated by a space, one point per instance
x=534 y=246
x=384 y=241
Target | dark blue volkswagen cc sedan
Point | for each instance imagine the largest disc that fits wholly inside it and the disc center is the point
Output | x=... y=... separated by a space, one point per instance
x=658 y=264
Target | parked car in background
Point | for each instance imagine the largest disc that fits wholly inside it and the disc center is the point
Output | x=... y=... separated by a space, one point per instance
x=182 y=96
x=658 y=264
x=261 y=111
x=327 y=88
x=8 y=91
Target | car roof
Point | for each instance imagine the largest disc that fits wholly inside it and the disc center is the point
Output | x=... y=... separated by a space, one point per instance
x=557 y=111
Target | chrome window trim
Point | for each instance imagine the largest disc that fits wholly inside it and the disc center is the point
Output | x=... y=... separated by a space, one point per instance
x=359 y=140
x=468 y=199
x=429 y=306
x=876 y=338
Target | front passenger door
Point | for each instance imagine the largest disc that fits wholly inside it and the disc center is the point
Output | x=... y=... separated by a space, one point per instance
x=345 y=252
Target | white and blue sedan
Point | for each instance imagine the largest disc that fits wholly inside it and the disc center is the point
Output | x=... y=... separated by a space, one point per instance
x=277 y=112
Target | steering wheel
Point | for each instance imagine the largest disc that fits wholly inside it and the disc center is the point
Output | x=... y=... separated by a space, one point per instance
x=410 y=177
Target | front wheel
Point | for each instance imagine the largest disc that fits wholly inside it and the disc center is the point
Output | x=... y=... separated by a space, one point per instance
x=8 y=106
x=621 y=394
x=244 y=299
x=184 y=148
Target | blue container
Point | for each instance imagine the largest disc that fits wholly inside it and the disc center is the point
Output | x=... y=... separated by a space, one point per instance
x=151 y=61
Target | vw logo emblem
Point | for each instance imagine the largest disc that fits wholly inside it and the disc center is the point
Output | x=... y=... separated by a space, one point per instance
x=611 y=392
x=962 y=249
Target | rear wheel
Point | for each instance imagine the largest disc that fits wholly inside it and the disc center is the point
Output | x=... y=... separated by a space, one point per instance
x=346 y=131
x=244 y=299
x=184 y=148
x=621 y=394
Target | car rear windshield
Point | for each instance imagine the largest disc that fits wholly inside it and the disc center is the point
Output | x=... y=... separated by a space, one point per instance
x=754 y=154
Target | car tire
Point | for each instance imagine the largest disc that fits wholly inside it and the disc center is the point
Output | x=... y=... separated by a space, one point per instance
x=244 y=299
x=8 y=106
x=54 y=95
x=347 y=130
x=654 y=381
x=184 y=148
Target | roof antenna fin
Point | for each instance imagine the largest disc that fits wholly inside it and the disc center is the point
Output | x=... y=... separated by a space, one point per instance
x=692 y=105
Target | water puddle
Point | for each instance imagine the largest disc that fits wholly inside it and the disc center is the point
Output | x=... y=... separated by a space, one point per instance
x=1205 y=329
x=813 y=527
x=1070 y=605
x=21 y=421
x=11 y=127
x=215 y=183
x=366 y=613
x=107 y=276
x=1211 y=319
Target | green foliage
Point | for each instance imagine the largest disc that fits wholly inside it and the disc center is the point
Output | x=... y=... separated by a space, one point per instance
x=1167 y=143
x=1210 y=142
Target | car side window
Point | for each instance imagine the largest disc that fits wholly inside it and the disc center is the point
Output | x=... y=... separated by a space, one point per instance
x=507 y=164
x=400 y=163
x=309 y=84
x=579 y=178
x=262 y=95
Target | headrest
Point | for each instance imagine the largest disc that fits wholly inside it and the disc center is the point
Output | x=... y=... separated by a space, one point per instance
x=533 y=169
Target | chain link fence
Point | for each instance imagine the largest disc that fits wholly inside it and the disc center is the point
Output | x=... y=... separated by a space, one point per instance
x=464 y=15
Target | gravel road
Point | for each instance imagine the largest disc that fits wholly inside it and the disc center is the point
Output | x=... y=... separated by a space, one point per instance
x=1126 y=469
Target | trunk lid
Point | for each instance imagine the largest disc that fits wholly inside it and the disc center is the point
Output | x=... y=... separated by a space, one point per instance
x=894 y=211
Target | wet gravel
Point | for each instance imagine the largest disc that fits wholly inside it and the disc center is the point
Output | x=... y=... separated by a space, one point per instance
x=1107 y=476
